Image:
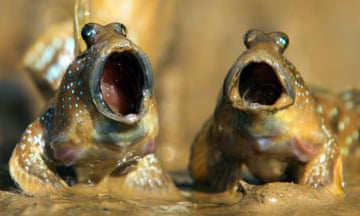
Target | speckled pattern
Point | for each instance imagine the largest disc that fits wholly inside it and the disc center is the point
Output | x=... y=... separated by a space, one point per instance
x=269 y=126
x=94 y=124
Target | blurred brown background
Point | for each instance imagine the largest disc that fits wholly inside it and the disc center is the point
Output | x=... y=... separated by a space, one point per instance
x=206 y=40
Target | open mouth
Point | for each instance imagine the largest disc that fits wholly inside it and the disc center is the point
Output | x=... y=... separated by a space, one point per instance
x=122 y=82
x=259 y=84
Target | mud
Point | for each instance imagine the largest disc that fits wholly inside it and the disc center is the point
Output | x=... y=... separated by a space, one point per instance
x=270 y=199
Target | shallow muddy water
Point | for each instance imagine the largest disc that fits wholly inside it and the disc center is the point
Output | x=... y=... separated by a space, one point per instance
x=270 y=199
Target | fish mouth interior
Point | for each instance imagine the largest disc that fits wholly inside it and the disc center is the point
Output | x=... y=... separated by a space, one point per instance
x=258 y=83
x=122 y=82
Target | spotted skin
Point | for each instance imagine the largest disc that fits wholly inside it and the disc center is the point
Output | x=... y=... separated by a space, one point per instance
x=85 y=130
x=341 y=113
x=268 y=123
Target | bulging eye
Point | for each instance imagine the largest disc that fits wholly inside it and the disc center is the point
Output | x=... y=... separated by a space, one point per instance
x=252 y=36
x=122 y=82
x=119 y=28
x=281 y=40
x=89 y=33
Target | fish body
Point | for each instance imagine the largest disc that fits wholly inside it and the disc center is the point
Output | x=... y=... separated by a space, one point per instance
x=269 y=122
x=101 y=122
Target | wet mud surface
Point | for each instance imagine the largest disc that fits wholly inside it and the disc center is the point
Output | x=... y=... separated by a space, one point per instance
x=269 y=199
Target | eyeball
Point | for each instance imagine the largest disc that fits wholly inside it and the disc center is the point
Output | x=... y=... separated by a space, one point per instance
x=90 y=33
x=281 y=40
x=252 y=36
x=119 y=29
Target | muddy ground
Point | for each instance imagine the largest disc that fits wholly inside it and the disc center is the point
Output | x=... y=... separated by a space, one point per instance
x=206 y=38
x=271 y=199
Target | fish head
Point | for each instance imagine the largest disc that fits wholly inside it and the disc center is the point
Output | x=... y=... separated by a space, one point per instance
x=105 y=107
x=265 y=108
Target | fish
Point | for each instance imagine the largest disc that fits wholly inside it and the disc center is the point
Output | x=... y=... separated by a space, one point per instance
x=269 y=126
x=101 y=123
